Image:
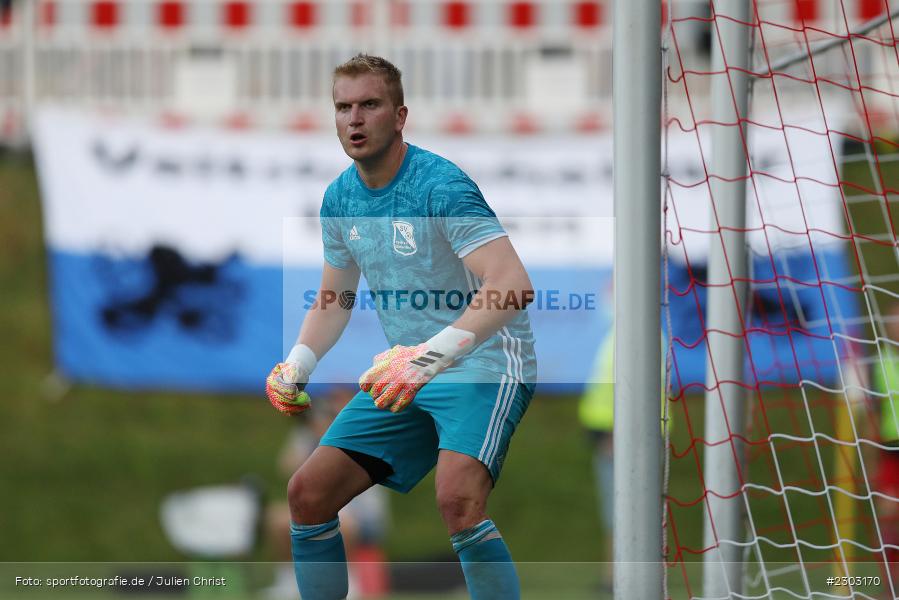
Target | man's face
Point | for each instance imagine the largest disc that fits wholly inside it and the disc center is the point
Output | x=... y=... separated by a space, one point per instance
x=367 y=121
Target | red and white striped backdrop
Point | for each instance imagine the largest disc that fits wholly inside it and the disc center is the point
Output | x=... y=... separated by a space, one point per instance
x=242 y=15
x=92 y=29
x=79 y=44
x=238 y=15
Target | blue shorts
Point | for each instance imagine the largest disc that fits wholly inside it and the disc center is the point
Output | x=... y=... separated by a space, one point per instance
x=473 y=415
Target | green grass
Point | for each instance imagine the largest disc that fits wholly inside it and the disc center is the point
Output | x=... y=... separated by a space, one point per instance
x=546 y=478
x=82 y=477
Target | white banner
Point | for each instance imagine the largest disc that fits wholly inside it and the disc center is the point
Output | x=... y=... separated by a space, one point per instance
x=123 y=186
x=167 y=249
x=214 y=192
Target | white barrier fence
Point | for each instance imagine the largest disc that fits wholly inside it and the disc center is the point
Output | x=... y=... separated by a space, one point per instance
x=480 y=65
x=269 y=63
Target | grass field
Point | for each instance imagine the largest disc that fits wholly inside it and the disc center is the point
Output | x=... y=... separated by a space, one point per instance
x=83 y=474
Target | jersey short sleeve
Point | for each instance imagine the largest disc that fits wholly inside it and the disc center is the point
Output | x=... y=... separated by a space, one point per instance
x=467 y=221
x=336 y=253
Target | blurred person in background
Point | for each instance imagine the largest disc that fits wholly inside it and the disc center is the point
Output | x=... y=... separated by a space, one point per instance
x=364 y=521
x=596 y=414
x=410 y=221
x=885 y=381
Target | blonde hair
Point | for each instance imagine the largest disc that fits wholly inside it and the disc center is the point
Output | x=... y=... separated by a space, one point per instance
x=366 y=63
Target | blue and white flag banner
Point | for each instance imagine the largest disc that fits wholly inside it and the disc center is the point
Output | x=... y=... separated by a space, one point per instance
x=181 y=258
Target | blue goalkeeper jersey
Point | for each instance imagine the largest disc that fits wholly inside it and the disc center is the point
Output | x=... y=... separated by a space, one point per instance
x=409 y=239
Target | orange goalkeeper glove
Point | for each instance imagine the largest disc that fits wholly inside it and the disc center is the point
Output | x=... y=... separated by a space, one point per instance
x=285 y=385
x=397 y=374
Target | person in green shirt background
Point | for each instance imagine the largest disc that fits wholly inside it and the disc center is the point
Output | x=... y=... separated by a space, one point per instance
x=885 y=382
x=596 y=414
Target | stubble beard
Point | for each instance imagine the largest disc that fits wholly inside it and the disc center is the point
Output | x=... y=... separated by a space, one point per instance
x=374 y=158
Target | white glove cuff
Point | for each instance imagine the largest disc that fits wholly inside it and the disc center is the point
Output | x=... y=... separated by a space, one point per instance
x=452 y=342
x=302 y=355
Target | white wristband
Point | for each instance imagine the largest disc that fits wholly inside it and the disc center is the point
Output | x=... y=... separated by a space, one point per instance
x=452 y=342
x=303 y=355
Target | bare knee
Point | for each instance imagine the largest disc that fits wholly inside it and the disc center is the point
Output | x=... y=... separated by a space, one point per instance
x=309 y=504
x=463 y=485
x=460 y=510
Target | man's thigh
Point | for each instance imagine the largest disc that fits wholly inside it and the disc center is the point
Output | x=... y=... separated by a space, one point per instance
x=474 y=415
x=407 y=440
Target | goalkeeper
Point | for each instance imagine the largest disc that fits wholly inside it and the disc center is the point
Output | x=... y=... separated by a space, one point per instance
x=460 y=374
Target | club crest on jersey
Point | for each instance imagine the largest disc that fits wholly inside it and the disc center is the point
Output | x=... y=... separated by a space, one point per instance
x=404 y=238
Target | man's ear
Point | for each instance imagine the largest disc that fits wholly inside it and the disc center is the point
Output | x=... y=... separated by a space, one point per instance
x=401 y=114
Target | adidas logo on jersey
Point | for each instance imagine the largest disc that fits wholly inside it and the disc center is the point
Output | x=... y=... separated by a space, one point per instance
x=354 y=235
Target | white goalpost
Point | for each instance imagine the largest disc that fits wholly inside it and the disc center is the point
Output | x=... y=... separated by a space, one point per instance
x=636 y=100
x=725 y=407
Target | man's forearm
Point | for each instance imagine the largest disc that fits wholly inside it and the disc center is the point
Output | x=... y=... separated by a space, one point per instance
x=323 y=326
x=497 y=302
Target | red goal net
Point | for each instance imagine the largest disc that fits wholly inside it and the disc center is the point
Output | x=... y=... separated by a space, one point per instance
x=810 y=442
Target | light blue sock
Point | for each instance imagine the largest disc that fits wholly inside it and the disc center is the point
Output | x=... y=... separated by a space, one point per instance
x=486 y=562
x=319 y=560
